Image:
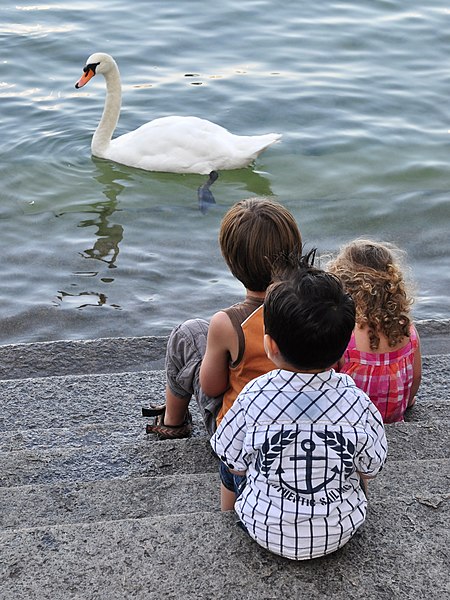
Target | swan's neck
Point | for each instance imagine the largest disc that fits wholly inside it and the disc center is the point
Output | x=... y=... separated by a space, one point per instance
x=103 y=134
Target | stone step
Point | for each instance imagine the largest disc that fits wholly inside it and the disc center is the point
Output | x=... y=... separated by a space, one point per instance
x=68 y=401
x=146 y=457
x=113 y=355
x=77 y=357
x=80 y=401
x=418 y=441
x=48 y=402
x=431 y=411
x=139 y=497
x=401 y=552
x=78 y=434
x=434 y=381
x=108 y=500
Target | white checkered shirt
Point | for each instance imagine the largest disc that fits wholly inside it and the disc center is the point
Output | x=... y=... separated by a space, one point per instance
x=302 y=438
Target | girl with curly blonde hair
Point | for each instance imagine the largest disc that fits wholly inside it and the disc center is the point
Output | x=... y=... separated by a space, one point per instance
x=383 y=356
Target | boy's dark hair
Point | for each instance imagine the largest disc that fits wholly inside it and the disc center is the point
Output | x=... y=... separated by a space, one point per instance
x=253 y=233
x=308 y=314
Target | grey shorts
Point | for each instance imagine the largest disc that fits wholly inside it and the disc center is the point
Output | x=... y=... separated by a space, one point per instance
x=185 y=351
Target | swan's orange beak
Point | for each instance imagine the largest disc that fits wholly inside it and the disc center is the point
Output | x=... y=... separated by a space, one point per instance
x=88 y=74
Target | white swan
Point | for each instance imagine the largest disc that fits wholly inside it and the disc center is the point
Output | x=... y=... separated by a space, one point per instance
x=170 y=144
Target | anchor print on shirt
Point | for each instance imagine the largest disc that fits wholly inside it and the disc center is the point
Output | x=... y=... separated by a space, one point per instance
x=308 y=446
x=307 y=458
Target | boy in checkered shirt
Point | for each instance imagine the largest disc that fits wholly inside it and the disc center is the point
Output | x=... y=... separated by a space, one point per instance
x=299 y=441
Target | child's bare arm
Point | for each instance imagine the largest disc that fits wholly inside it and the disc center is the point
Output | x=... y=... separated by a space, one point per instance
x=215 y=364
x=417 y=373
x=338 y=366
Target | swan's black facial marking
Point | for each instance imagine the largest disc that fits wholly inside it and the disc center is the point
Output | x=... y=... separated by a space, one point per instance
x=90 y=67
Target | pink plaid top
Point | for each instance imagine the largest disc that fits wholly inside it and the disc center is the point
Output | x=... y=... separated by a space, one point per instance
x=385 y=377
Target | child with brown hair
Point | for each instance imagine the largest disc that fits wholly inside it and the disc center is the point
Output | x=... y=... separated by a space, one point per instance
x=213 y=361
x=383 y=356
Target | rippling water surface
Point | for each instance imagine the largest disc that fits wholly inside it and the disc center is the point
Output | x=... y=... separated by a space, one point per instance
x=89 y=248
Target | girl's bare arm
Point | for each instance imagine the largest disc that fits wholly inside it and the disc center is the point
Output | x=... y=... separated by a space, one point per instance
x=417 y=373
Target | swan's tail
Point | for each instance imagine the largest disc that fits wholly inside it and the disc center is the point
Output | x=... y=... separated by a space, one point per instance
x=255 y=144
x=264 y=141
x=243 y=150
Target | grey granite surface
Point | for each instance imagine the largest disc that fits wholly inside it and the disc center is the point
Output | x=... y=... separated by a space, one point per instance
x=92 y=508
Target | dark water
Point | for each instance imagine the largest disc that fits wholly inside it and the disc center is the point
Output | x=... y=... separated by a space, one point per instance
x=94 y=249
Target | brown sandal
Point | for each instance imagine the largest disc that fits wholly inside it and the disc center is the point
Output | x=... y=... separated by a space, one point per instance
x=167 y=432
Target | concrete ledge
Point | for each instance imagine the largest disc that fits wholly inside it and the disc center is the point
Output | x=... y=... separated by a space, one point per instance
x=139 y=497
x=148 y=458
x=108 y=500
x=401 y=552
x=94 y=508
x=142 y=458
x=76 y=400
x=66 y=357
x=112 y=355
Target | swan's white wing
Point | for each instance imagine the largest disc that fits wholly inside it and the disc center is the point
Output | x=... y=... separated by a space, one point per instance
x=186 y=145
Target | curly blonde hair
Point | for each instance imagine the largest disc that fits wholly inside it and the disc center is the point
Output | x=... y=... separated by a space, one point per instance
x=371 y=274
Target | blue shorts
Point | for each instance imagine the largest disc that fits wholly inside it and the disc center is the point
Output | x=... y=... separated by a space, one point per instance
x=234 y=483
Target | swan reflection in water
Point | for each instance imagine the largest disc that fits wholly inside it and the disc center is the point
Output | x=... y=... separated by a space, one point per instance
x=108 y=235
